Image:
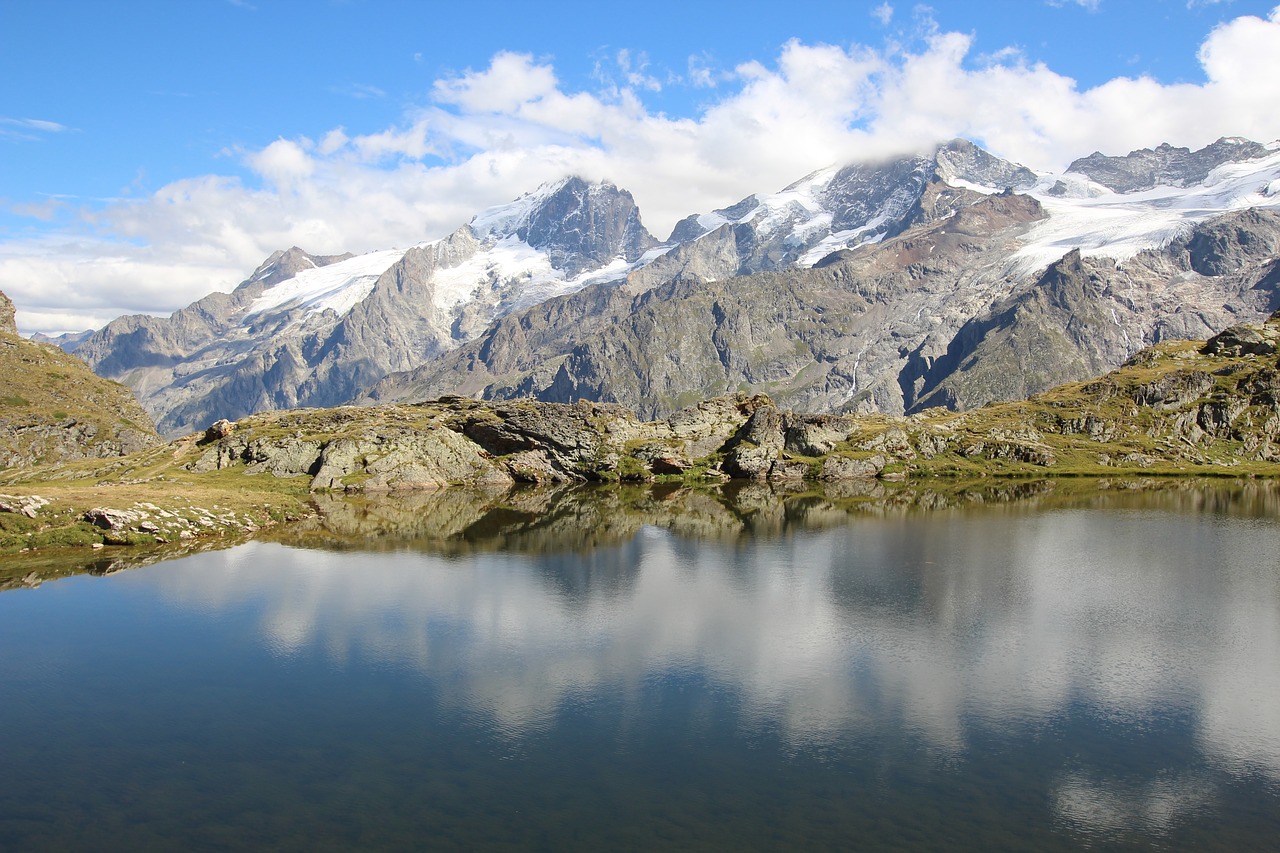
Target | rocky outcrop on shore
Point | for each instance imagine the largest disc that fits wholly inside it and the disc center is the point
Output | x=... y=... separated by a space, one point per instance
x=1179 y=407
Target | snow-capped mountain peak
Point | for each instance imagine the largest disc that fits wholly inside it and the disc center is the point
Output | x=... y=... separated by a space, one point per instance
x=505 y=219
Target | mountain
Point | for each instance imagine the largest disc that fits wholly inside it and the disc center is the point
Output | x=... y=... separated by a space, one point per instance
x=54 y=409
x=306 y=330
x=962 y=293
x=67 y=342
x=1190 y=407
x=1165 y=165
x=946 y=278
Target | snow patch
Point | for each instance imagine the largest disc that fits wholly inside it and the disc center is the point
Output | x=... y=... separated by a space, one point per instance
x=711 y=221
x=843 y=240
x=504 y=220
x=337 y=287
x=506 y=261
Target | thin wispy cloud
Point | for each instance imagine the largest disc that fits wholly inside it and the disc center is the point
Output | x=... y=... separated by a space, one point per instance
x=34 y=124
x=28 y=129
x=1091 y=5
x=359 y=91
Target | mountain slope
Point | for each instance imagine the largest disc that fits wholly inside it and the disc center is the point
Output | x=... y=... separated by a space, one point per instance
x=54 y=409
x=954 y=302
x=311 y=330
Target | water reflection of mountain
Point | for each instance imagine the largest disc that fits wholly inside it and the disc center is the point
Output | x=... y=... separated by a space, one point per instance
x=824 y=618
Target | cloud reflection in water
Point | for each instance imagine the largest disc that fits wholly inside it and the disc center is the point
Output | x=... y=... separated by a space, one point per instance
x=941 y=622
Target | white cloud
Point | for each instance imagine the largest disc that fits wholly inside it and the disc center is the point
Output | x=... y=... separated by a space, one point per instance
x=360 y=91
x=487 y=135
x=27 y=129
x=883 y=13
x=510 y=81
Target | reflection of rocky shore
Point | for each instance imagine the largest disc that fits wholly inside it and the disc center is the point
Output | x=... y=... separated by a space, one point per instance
x=548 y=520
x=29 y=570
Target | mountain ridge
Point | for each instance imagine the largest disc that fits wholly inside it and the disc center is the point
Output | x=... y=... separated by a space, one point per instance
x=552 y=264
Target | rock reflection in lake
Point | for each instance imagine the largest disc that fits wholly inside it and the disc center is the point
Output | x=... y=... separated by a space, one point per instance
x=540 y=520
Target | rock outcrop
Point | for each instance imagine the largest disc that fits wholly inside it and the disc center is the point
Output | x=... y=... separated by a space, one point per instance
x=1176 y=407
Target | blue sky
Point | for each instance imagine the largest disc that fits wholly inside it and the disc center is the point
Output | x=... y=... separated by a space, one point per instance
x=151 y=152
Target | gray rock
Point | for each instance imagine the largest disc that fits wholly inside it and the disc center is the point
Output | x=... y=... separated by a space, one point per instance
x=111 y=519
x=7 y=314
x=845 y=468
x=1164 y=165
x=1241 y=340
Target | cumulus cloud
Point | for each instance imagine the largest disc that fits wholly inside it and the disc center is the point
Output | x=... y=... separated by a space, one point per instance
x=486 y=135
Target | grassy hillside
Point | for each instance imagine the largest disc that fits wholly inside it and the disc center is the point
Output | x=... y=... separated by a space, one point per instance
x=54 y=409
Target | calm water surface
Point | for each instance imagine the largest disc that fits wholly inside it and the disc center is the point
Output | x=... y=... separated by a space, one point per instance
x=1101 y=675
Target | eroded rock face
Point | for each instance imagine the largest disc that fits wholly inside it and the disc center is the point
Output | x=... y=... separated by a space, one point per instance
x=1165 y=165
x=8 y=324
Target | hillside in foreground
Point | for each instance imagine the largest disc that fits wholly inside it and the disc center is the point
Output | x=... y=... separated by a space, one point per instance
x=54 y=409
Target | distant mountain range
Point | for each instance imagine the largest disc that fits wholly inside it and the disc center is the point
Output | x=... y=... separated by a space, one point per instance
x=951 y=278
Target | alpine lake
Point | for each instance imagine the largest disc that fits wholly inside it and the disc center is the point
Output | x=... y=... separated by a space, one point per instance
x=1054 y=665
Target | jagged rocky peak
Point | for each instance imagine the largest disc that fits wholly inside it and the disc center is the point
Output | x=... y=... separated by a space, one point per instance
x=859 y=194
x=579 y=225
x=1165 y=165
x=839 y=208
x=7 y=314
x=864 y=197
x=284 y=264
x=960 y=159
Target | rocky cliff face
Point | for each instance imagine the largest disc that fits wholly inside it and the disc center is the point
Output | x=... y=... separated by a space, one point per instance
x=8 y=325
x=53 y=409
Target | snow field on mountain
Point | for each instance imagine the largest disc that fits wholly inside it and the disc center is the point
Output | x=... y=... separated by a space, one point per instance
x=337 y=287
x=507 y=260
x=1120 y=225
